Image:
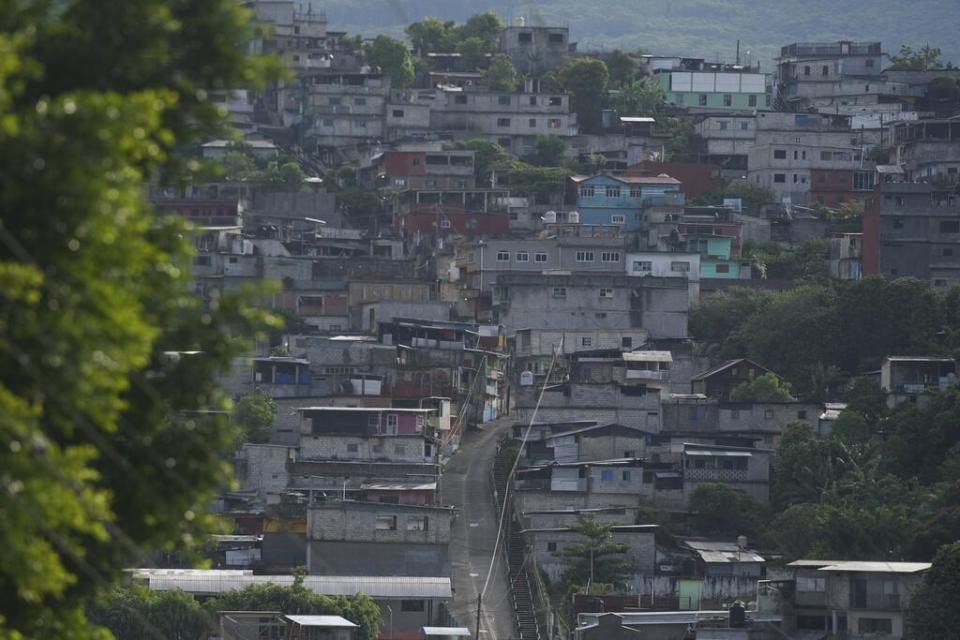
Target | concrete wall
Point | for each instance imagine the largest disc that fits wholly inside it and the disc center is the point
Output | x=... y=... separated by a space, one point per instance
x=387 y=449
x=263 y=468
x=336 y=558
x=641 y=552
x=600 y=402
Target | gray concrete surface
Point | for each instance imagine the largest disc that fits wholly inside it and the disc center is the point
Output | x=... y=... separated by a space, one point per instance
x=466 y=484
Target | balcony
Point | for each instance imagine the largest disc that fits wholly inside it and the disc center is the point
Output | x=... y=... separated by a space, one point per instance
x=646 y=374
x=877 y=601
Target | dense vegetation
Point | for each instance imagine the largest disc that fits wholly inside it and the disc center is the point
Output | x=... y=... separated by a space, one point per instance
x=113 y=434
x=706 y=28
x=132 y=613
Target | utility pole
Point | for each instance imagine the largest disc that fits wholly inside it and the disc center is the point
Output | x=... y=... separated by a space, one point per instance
x=479 y=602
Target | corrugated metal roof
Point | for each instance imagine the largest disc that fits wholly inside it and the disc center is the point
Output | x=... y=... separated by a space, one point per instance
x=216 y=582
x=447 y=631
x=648 y=356
x=878 y=567
x=399 y=486
x=717 y=453
x=321 y=621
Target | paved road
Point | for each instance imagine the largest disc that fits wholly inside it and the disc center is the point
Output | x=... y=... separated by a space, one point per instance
x=466 y=484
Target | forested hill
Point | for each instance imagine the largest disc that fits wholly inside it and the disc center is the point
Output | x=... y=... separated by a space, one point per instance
x=704 y=28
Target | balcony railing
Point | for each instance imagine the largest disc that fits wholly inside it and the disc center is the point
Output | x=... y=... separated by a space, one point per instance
x=646 y=374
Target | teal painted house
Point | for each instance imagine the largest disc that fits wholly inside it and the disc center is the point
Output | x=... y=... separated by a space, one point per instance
x=716 y=257
x=716 y=90
x=620 y=200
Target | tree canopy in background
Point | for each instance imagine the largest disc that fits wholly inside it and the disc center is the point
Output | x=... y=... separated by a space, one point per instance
x=113 y=435
x=393 y=57
x=501 y=74
x=254 y=414
x=586 y=79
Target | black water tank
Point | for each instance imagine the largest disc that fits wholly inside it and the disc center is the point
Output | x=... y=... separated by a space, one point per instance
x=738 y=616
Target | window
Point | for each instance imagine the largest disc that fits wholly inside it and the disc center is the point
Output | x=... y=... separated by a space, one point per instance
x=727 y=100
x=392 y=421
x=702 y=99
x=525 y=37
x=532 y=122
x=723 y=125
x=503 y=122
x=555 y=38
x=327 y=122
x=722 y=268
x=693 y=414
x=386 y=523
x=559 y=292
x=806 y=70
x=802 y=414
x=377 y=448
x=551 y=546
x=617 y=218
x=636 y=192
x=625 y=476
x=533 y=101
x=751 y=102
x=796 y=178
x=586 y=192
x=950 y=226
x=779 y=154
x=744 y=126
x=897 y=223
x=400 y=449
x=504 y=100
x=373 y=420
x=812 y=584
x=503 y=256
x=445 y=223
x=868 y=62
x=460 y=99
x=606 y=293
x=780 y=178
x=334 y=100
x=875 y=625
x=825 y=70
x=680 y=267
x=412 y=606
x=398 y=113
x=556 y=101
x=360 y=101
x=361 y=124
x=642 y=265
x=553 y=123
x=768 y=414
x=539 y=257
x=613 y=192
x=417 y=523
x=353 y=448
x=584 y=256
x=606 y=475
x=610 y=256
x=523 y=256
x=586 y=341
x=680 y=99
x=202 y=261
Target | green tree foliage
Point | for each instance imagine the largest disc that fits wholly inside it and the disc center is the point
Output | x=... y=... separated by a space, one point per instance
x=297 y=599
x=933 y=612
x=596 y=556
x=922 y=59
x=586 y=79
x=849 y=326
x=527 y=179
x=720 y=510
x=622 y=67
x=501 y=74
x=752 y=196
x=240 y=164
x=918 y=441
x=393 y=57
x=488 y=158
x=486 y=27
x=107 y=444
x=683 y=143
x=808 y=262
x=944 y=89
x=136 y=612
x=642 y=97
x=431 y=35
x=765 y=388
x=254 y=414
x=549 y=151
x=473 y=53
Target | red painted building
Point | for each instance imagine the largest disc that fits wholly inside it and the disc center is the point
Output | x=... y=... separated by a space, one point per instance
x=695 y=179
x=831 y=187
x=447 y=220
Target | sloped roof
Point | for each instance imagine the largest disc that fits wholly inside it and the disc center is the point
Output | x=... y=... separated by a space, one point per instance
x=726 y=365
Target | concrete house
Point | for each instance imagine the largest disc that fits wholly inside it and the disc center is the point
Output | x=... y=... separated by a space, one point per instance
x=546 y=543
x=857 y=599
x=370 y=538
x=535 y=50
x=742 y=468
x=913 y=378
x=720 y=381
x=366 y=433
x=622 y=200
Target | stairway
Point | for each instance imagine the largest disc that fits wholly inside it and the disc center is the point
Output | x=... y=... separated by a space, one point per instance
x=515 y=548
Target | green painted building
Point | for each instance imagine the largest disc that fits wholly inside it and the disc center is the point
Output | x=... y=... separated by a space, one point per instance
x=716 y=90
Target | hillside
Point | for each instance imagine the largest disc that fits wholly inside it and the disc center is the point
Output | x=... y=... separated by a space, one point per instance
x=707 y=28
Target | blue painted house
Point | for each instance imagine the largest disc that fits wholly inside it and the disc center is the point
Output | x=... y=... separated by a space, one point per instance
x=621 y=200
x=716 y=257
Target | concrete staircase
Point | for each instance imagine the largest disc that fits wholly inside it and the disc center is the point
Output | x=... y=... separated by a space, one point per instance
x=520 y=579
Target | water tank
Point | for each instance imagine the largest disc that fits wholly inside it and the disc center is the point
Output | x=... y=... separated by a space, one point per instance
x=573 y=217
x=738 y=616
x=519 y=21
x=550 y=217
x=526 y=379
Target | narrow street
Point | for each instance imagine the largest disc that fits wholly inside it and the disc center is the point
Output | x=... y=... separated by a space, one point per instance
x=467 y=486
